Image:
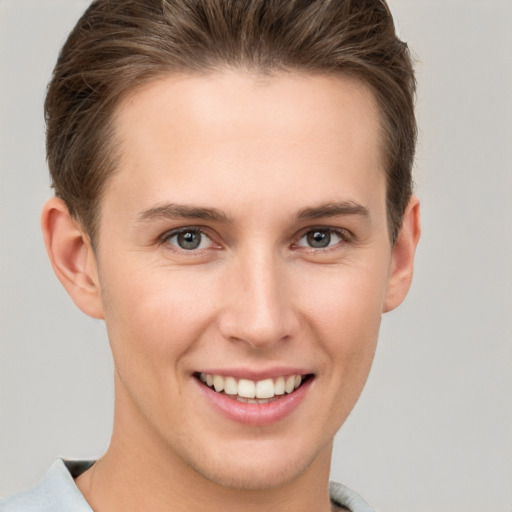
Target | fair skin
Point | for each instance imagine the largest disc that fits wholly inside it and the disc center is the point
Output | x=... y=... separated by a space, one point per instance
x=244 y=235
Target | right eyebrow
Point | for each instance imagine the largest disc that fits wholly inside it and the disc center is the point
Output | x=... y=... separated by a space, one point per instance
x=173 y=211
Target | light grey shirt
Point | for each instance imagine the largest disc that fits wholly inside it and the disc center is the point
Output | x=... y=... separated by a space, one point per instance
x=57 y=492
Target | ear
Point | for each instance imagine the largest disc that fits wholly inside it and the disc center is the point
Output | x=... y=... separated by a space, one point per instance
x=72 y=257
x=402 y=260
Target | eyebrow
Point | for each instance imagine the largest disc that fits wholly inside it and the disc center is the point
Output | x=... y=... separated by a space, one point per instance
x=333 y=209
x=179 y=211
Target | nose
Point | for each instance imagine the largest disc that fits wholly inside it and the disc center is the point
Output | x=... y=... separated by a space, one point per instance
x=258 y=303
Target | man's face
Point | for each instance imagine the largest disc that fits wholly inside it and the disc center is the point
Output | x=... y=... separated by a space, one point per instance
x=244 y=236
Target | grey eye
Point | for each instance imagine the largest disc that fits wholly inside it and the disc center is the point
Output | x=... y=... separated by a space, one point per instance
x=189 y=240
x=320 y=238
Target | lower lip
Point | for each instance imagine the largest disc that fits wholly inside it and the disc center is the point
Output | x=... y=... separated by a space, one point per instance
x=255 y=414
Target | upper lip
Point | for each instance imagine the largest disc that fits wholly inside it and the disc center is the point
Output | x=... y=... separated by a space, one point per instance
x=256 y=374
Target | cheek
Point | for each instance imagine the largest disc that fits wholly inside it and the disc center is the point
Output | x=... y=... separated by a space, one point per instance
x=153 y=316
x=345 y=308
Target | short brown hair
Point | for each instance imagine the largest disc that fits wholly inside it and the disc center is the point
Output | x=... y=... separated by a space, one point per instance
x=119 y=44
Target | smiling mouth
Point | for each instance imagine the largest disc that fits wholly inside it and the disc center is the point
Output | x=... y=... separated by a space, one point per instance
x=253 y=392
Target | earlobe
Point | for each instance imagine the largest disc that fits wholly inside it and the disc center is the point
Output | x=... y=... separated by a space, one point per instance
x=72 y=257
x=402 y=262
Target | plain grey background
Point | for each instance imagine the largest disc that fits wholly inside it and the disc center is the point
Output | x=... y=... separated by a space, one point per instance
x=433 y=430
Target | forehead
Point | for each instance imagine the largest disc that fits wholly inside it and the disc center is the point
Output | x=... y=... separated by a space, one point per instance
x=242 y=133
x=222 y=103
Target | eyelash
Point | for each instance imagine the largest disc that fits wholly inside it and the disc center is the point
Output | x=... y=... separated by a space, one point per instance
x=343 y=235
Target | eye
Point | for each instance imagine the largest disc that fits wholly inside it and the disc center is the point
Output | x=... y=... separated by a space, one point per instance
x=189 y=239
x=321 y=238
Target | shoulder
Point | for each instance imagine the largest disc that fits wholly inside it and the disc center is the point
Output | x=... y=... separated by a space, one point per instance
x=56 y=492
x=346 y=499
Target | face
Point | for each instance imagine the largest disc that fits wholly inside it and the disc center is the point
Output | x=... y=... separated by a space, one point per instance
x=243 y=260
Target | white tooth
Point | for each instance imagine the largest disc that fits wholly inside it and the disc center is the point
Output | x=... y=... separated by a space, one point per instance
x=279 y=386
x=202 y=377
x=209 y=380
x=263 y=401
x=230 y=386
x=252 y=401
x=218 y=383
x=298 y=380
x=246 y=388
x=241 y=399
x=290 y=384
x=265 y=388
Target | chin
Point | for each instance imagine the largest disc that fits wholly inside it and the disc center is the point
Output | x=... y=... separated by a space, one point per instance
x=262 y=468
x=250 y=478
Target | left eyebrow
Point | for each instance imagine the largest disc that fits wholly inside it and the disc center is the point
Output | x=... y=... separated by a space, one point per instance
x=341 y=208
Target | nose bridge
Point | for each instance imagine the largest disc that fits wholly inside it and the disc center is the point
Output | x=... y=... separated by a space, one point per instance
x=259 y=308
